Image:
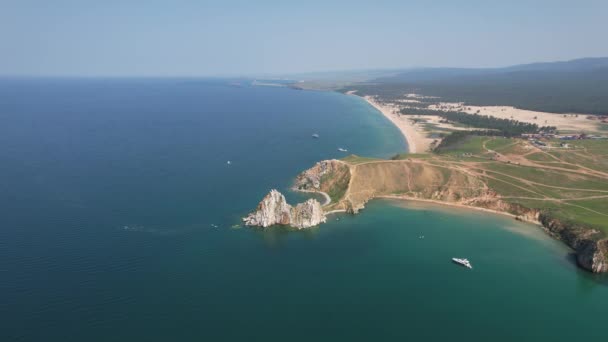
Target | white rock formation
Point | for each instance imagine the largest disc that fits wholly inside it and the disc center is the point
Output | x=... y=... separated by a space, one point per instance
x=274 y=209
x=307 y=214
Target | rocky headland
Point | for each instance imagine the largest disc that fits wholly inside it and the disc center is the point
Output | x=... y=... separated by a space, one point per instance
x=590 y=245
x=352 y=184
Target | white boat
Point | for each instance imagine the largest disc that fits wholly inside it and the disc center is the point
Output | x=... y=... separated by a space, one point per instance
x=463 y=262
x=228 y=162
x=316 y=136
x=342 y=149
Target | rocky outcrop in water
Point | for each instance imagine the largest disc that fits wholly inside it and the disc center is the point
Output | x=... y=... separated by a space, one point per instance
x=307 y=214
x=274 y=210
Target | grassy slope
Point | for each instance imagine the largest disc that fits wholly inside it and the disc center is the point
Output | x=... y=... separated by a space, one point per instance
x=355 y=159
x=560 y=181
x=338 y=186
x=556 y=190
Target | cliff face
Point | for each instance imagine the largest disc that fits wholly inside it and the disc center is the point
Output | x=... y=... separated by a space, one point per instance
x=274 y=210
x=590 y=246
x=591 y=249
x=311 y=179
x=521 y=213
x=307 y=214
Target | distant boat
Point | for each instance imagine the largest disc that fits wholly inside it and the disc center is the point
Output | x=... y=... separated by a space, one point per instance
x=463 y=262
x=316 y=136
x=342 y=149
x=228 y=162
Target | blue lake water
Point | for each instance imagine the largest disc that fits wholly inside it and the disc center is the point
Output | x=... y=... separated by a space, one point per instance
x=110 y=191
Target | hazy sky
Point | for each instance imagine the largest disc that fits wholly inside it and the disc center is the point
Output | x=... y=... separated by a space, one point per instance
x=197 y=38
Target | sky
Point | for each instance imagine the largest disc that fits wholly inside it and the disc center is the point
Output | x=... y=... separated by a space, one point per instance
x=241 y=38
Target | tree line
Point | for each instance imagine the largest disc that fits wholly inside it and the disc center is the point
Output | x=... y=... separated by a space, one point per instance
x=507 y=127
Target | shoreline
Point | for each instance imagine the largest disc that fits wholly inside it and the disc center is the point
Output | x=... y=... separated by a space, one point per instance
x=324 y=194
x=462 y=206
x=417 y=142
x=449 y=204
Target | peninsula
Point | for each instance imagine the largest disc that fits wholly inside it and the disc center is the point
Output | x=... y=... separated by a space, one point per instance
x=560 y=186
x=510 y=176
x=490 y=140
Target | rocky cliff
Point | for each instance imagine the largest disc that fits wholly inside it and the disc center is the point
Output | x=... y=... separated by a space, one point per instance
x=274 y=210
x=307 y=214
x=590 y=246
x=327 y=176
x=312 y=178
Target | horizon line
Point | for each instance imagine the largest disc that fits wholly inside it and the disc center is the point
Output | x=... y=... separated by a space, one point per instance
x=250 y=75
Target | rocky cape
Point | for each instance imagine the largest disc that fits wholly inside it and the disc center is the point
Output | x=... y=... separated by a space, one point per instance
x=274 y=210
x=351 y=185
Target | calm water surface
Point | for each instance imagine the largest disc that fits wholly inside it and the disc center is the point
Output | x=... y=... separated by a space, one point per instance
x=110 y=191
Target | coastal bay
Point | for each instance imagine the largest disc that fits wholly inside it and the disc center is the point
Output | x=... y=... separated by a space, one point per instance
x=234 y=171
x=148 y=245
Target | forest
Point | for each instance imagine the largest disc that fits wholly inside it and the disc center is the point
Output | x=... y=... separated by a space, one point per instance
x=578 y=86
x=509 y=128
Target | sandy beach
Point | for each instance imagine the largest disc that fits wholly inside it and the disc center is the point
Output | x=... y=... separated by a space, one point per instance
x=455 y=205
x=417 y=140
x=459 y=206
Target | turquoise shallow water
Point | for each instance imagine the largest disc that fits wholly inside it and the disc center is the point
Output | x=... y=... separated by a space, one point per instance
x=109 y=190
